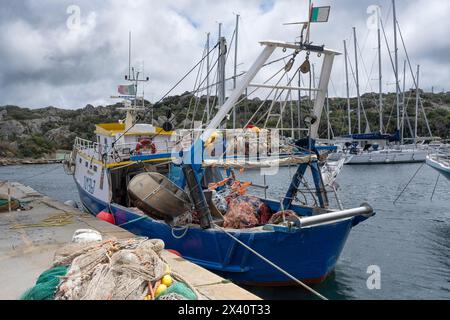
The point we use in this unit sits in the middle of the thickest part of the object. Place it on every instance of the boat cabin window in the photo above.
(86, 164)
(95, 168)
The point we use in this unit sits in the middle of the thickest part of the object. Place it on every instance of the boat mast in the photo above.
(403, 102)
(357, 80)
(299, 102)
(348, 90)
(396, 64)
(221, 66)
(380, 82)
(207, 78)
(129, 55)
(328, 117)
(235, 65)
(417, 104)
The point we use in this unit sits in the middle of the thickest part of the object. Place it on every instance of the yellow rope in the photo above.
(57, 220)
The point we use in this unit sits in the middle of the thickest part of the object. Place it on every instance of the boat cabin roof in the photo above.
(112, 129)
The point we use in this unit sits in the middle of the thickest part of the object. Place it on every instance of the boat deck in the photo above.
(30, 238)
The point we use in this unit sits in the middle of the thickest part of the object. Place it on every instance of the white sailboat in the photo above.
(377, 148)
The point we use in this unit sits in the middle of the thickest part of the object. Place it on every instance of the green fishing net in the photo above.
(46, 284)
(180, 289)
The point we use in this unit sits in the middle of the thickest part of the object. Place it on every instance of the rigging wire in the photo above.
(272, 264)
(414, 78)
(166, 94)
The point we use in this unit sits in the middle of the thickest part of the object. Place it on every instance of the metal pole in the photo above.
(357, 81)
(299, 116)
(321, 92)
(403, 103)
(235, 65)
(417, 104)
(328, 118)
(219, 67)
(396, 64)
(349, 111)
(365, 210)
(222, 61)
(235, 95)
(380, 83)
(207, 78)
(129, 55)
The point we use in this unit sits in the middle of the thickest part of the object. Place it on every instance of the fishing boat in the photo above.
(163, 191)
(441, 162)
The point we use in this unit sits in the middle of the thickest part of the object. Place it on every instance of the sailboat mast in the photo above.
(348, 90)
(417, 104)
(207, 78)
(328, 117)
(357, 80)
(403, 103)
(235, 65)
(396, 64)
(380, 70)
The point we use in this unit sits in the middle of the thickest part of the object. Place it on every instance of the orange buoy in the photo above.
(175, 252)
(106, 216)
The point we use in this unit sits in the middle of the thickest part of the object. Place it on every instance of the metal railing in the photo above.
(120, 152)
(232, 139)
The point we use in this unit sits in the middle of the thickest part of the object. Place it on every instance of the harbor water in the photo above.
(409, 242)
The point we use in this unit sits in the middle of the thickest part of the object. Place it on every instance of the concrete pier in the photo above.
(30, 238)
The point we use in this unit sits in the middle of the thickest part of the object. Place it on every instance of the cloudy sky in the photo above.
(49, 57)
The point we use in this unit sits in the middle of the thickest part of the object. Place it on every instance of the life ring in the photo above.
(146, 144)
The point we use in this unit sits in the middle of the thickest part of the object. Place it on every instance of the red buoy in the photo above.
(175, 252)
(106, 216)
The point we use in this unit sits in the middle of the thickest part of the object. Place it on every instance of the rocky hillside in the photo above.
(36, 133)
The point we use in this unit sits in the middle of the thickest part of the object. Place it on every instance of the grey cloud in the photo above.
(43, 63)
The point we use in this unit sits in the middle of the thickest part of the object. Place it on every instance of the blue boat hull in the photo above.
(309, 254)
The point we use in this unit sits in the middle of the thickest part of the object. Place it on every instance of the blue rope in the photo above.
(132, 221)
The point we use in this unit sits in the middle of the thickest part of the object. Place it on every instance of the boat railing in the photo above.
(120, 151)
(443, 158)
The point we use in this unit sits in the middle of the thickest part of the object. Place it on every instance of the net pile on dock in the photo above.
(5, 204)
(131, 269)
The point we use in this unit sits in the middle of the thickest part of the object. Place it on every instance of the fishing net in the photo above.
(4, 204)
(283, 216)
(178, 291)
(246, 212)
(116, 270)
(46, 285)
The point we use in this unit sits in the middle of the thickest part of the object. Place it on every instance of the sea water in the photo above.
(407, 243)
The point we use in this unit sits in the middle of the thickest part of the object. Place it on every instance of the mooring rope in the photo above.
(409, 182)
(435, 186)
(272, 264)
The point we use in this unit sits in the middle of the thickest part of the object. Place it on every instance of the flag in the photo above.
(320, 14)
(129, 90)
